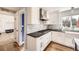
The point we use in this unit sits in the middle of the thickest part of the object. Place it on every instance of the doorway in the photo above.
(21, 39)
(22, 27)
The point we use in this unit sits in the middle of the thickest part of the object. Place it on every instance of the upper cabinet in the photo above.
(32, 15)
(36, 15)
(53, 18)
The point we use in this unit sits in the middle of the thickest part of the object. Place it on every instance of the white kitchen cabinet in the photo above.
(32, 15)
(57, 37)
(69, 40)
(63, 38)
(72, 36)
(53, 18)
(38, 44)
(44, 40)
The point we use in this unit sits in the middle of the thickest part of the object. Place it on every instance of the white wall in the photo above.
(34, 27)
(6, 22)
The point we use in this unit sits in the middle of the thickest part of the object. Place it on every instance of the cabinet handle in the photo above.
(41, 44)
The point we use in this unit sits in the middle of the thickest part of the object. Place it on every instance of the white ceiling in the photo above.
(13, 8)
(52, 9)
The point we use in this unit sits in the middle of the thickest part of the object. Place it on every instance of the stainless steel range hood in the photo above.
(43, 14)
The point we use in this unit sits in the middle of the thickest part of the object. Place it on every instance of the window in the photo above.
(66, 21)
(75, 21)
(71, 22)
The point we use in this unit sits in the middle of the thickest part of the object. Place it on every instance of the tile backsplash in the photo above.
(35, 27)
(54, 26)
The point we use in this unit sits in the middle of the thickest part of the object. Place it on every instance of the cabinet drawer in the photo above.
(44, 40)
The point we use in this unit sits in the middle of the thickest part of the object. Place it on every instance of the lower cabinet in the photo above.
(38, 44)
(58, 37)
(69, 40)
(44, 40)
(63, 38)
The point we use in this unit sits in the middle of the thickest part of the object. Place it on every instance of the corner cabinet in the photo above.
(38, 44)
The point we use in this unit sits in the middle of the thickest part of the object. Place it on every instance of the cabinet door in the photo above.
(57, 37)
(31, 44)
(32, 15)
(63, 38)
(54, 36)
(35, 15)
(45, 40)
(54, 18)
(69, 40)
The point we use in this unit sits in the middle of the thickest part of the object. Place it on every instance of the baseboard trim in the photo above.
(58, 44)
(63, 45)
(47, 46)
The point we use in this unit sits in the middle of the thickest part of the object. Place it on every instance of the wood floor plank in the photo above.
(57, 47)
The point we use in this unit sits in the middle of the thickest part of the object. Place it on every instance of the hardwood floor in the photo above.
(57, 47)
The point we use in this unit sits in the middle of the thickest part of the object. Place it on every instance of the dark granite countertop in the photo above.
(42, 32)
(58, 30)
